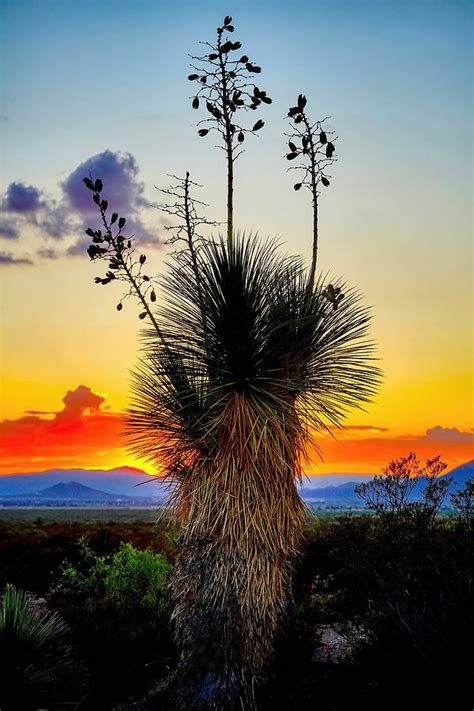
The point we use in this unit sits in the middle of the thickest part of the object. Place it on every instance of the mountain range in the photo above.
(127, 484)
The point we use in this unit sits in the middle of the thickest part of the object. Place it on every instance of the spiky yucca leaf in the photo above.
(37, 662)
(254, 362)
(252, 329)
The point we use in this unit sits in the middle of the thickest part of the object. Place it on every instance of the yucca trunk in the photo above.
(241, 518)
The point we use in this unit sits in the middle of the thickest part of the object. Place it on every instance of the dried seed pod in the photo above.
(195, 102)
(88, 183)
(119, 307)
(325, 182)
(301, 102)
(193, 77)
(203, 132)
(330, 150)
(114, 218)
(121, 223)
(292, 146)
(142, 315)
(142, 258)
(297, 186)
(291, 156)
(152, 296)
(240, 137)
(323, 138)
(98, 185)
(260, 124)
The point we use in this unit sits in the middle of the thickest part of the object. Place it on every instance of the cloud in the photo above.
(26, 206)
(7, 259)
(76, 435)
(119, 173)
(47, 253)
(9, 230)
(448, 434)
(122, 188)
(78, 401)
(351, 429)
(22, 198)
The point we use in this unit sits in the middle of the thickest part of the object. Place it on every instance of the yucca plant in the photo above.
(248, 355)
(37, 663)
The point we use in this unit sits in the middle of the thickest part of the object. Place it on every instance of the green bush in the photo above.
(118, 608)
(128, 584)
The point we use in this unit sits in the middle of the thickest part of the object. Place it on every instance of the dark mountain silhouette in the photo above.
(344, 494)
(125, 481)
(333, 489)
(73, 490)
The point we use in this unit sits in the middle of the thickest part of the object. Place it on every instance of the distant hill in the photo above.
(125, 481)
(73, 490)
(331, 489)
(344, 494)
(461, 474)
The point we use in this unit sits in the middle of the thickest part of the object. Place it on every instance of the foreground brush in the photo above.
(247, 356)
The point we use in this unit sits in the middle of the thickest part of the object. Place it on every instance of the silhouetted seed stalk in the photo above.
(226, 88)
(254, 361)
(186, 232)
(119, 251)
(310, 143)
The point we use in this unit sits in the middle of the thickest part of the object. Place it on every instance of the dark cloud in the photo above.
(122, 188)
(25, 205)
(119, 173)
(362, 428)
(47, 253)
(9, 230)
(448, 434)
(56, 221)
(22, 198)
(7, 259)
(39, 412)
(77, 401)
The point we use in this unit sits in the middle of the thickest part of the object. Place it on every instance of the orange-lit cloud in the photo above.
(85, 433)
(82, 434)
(356, 450)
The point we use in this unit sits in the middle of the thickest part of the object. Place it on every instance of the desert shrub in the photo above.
(127, 585)
(38, 665)
(118, 608)
(463, 502)
(49, 542)
(404, 585)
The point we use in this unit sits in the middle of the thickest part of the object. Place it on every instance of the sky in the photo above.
(102, 86)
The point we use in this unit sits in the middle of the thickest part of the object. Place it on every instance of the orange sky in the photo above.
(85, 433)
